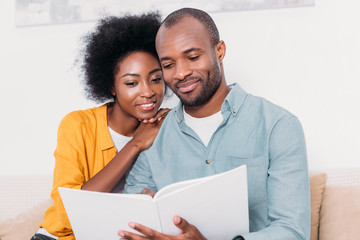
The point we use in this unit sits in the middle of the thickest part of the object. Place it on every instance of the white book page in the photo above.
(180, 186)
(217, 206)
(95, 215)
(172, 188)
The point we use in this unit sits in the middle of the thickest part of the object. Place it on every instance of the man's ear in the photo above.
(220, 50)
(113, 91)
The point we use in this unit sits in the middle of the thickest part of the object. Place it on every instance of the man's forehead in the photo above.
(187, 33)
(185, 24)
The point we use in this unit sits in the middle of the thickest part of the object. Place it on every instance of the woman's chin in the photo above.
(146, 116)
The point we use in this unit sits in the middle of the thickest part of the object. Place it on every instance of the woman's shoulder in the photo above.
(87, 116)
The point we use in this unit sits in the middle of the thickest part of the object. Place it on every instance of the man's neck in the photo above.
(212, 106)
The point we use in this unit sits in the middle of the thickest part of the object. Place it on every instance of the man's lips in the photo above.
(147, 106)
(187, 86)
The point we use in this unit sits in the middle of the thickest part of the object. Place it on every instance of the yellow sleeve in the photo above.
(70, 161)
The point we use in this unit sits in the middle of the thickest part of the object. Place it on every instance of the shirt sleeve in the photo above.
(288, 184)
(140, 176)
(70, 157)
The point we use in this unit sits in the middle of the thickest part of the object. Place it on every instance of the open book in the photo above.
(217, 205)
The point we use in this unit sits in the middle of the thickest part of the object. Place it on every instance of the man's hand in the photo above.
(188, 232)
(148, 191)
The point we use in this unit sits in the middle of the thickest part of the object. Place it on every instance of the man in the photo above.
(217, 127)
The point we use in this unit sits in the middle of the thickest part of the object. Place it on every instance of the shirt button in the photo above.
(234, 112)
(207, 161)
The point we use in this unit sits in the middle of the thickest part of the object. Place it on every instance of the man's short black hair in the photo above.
(174, 17)
(113, 39)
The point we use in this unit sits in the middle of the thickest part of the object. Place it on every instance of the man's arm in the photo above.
(288, 184)
(140, 176)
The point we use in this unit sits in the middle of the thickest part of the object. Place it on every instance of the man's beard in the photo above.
(211, 85)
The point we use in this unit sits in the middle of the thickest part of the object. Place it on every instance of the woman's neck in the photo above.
(119, 121)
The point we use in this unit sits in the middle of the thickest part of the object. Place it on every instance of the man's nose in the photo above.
(182, 70)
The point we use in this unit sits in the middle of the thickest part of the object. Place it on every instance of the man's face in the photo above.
(190, 63)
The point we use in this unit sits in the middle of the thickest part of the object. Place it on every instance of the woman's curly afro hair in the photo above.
(115, 38)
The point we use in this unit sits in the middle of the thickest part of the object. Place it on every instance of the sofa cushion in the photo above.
(317, 186)
(21, 193)
(25, 224)
(340, 213)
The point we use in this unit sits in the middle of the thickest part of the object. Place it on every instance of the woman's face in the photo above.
(138, 85)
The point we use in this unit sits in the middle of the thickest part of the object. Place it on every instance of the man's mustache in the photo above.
(186, 79)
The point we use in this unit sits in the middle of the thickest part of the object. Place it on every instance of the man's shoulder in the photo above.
(252, 105)
(265, 107)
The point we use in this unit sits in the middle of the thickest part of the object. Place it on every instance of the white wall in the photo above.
(304, 59)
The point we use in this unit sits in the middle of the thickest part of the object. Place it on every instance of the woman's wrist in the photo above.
(137, 145)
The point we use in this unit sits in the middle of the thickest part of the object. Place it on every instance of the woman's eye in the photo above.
(130, 84)
(159, 79)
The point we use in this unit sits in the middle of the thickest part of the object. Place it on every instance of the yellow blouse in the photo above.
(84, 147)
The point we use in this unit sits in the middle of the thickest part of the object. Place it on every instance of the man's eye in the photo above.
(167, 66)
(193, 58)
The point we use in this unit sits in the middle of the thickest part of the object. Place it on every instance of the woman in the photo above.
(97, 146)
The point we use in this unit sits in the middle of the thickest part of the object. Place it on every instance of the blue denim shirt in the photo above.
(255, 132)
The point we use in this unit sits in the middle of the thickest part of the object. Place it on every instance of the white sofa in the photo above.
(335, 198)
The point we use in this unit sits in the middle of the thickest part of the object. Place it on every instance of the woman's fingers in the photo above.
(159, 115)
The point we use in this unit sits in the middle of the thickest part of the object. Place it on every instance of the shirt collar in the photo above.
(232, 102)
(179, 112)
(102, 128)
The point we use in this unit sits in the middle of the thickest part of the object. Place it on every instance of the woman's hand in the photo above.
(160, 115)
(188, 232)
(146, 132)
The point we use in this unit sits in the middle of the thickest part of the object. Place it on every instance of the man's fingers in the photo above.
(182, 224)
(148, 232)
(129, 235)
(189, 230)
(148, 191)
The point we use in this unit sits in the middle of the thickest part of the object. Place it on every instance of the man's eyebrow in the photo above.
(164, 59)
(184, 52)
(191, 50)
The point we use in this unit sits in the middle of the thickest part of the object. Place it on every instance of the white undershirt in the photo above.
(204, 127)
(119, 141)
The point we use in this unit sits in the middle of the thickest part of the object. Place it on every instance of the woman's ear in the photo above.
(220, 50)
(113, 91)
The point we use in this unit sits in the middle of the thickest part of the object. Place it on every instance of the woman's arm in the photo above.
(106, 179)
